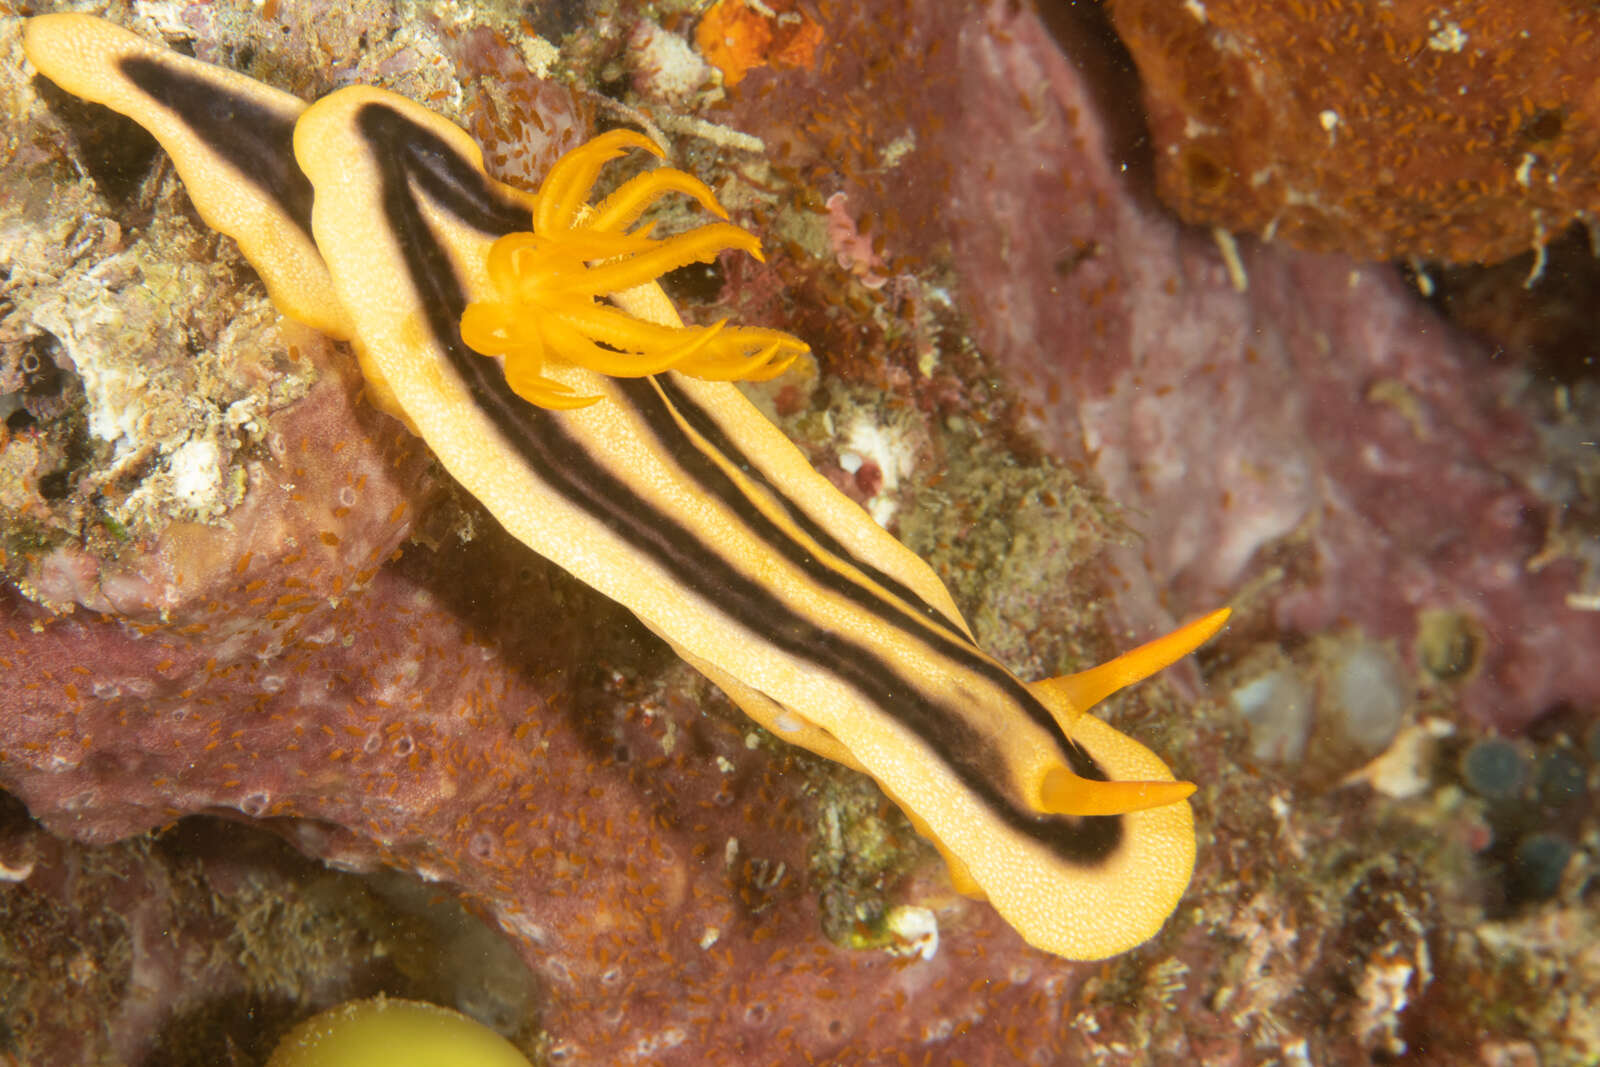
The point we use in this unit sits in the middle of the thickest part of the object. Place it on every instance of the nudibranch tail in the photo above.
(229, 139)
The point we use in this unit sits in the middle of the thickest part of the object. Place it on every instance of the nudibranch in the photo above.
(523, 337)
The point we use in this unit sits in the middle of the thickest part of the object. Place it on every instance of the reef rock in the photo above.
(1385, 131)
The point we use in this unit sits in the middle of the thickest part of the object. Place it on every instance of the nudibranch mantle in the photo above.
(372, 218)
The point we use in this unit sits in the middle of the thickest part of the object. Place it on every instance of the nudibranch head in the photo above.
(552, 284)
(1060, 790)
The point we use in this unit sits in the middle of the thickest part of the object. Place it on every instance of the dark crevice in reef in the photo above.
(114, 150)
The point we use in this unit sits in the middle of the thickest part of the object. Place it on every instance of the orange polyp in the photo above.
(572, 176)
(552, 286)
(628, 202)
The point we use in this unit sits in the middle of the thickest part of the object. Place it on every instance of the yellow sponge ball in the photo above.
(394, 1033)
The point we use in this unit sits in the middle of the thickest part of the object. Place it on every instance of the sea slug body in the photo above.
(522, 337)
